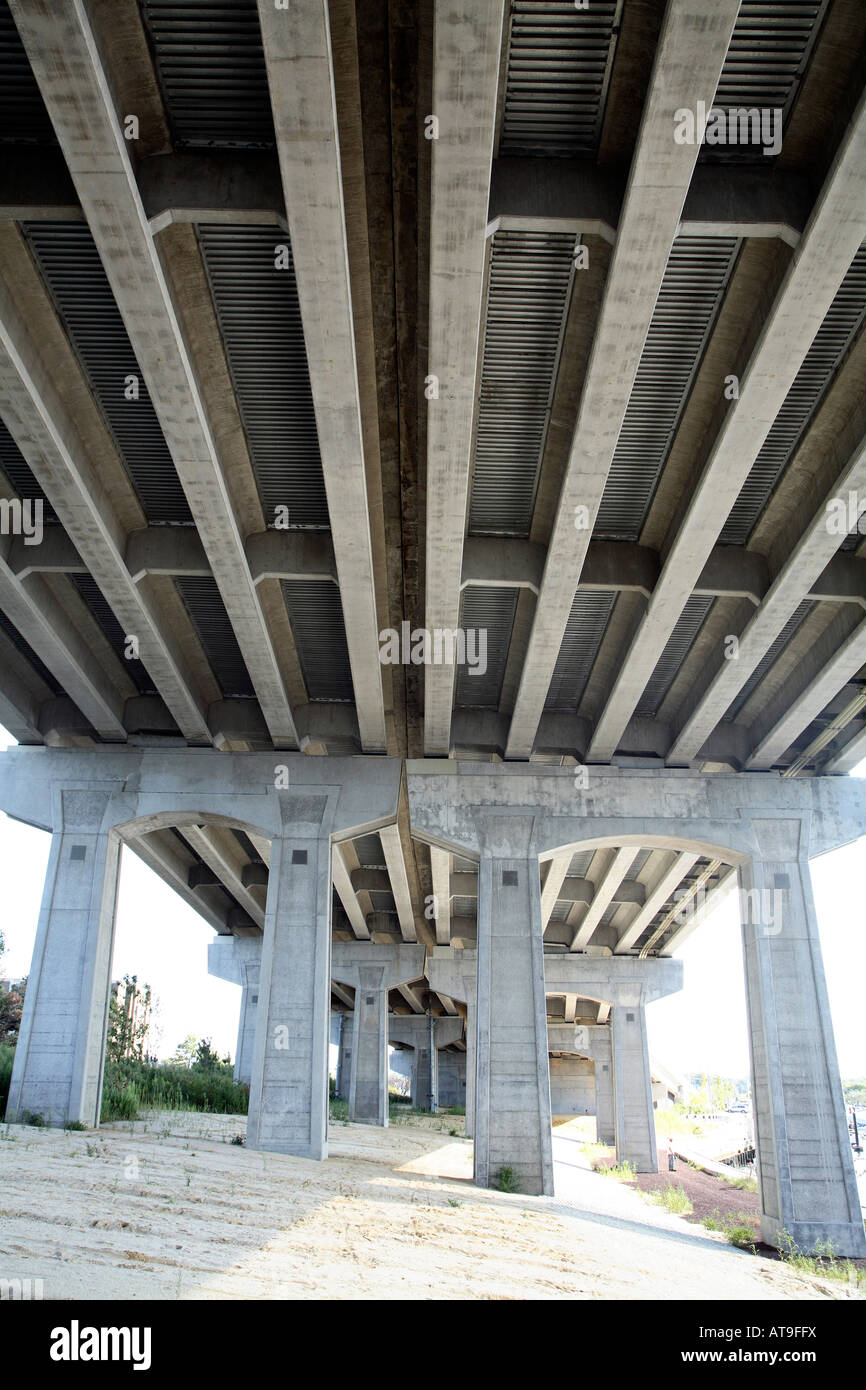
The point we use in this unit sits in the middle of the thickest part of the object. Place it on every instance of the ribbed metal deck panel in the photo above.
(694, 284)
(316, 615)
(587, 621)
(207, 613)
(768, 54)
(23, 118)
(369, 851)
(560, 911)
(842, 323)
(69, 262)
(462, 906)
(114, 633)
(769, 659)
(678, 646)
(580, 862)
(260, 321)
(527, 300)
(211, 70)
(487, 610)
(559, 61)
(27, 651)
(20, 475)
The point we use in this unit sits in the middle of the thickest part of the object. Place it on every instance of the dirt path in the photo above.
(171, 1209)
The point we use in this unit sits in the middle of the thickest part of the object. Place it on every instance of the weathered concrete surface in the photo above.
(425, 1035)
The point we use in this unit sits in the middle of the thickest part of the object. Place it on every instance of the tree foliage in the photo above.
(130, 1014)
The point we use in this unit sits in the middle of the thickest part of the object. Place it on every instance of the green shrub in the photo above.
(507, 1180)
(7, 1057)
(623, 1172)
(132, 1085)
(672, 1199)
(737, 1228)
(33, 1118)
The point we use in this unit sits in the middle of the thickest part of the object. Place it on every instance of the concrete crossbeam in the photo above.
(297, 48)
(221, 852)
(465, 41)
(689, 58)
(836, 228)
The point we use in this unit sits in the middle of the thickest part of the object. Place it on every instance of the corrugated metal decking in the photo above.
(23, 118)
(66, 255)
(207, 613)
(211, 70)
(586, 626)
(559, 61)
(678, 646)
(485, 609)
(527, 300)
(260, 321)
(316, 616)
(694, 284)
(842, 323)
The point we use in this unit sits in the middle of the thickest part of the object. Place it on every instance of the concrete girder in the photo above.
(67, 61)
(161, 852)
(220, 851)
(72, 461)
(689, 58)
(810, 569)
(346, 894)
(35, 611)
(297, 47)
(392, 849)
(467, 40)
(825, 670)
(557, 869)
(440, 869)
(22, 692)
(573, 195)
(727, 882)
(670, 877)
(411, 998)
(836, 228)
(604, 895)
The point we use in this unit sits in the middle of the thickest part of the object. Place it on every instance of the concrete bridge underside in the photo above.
(509, 820)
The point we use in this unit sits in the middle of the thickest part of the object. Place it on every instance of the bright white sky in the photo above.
(703, 1028)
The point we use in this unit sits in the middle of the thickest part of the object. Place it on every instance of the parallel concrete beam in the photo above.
(832, 237)
(440, 868)
(604, 895)
(799, 577)
(818, 679)
(669, 879)
(297, 47)
(346, 894)
(68, 61)
(466, 41)
(689, 58)
(554, 878)
(72, 459)
(220, 851)
(392, 848)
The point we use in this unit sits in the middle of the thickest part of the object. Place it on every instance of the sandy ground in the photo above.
(170, 1208)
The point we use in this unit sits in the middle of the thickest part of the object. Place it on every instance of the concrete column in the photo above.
(452, 1078)
(456, 974)
(512, 1096)
(425, 1072)
(238, 960)
(605, 1117)
(414, 1031)
(344, 1065)
(368, 1091)
(58, 1065)
(245, 1049)
(373, 968)
(634, 1119)
(289, 1089)
(805, 1166)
